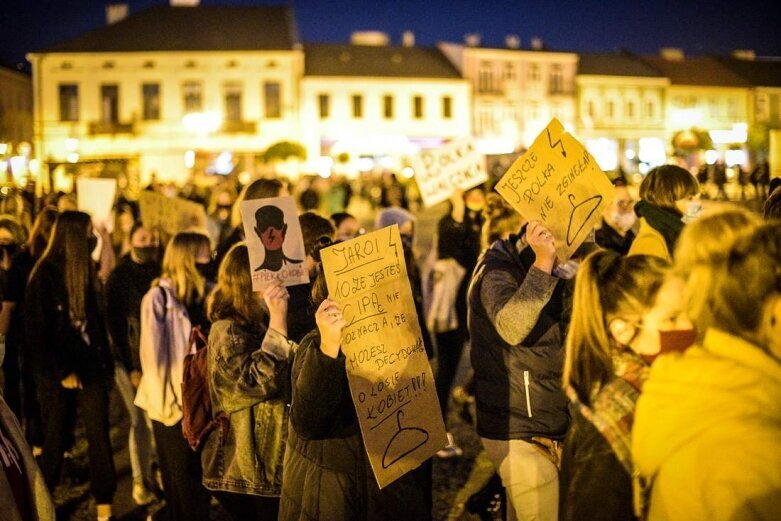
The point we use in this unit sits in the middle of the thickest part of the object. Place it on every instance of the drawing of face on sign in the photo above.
(275, 242)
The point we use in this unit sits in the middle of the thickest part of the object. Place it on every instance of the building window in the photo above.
(193, 100)
(534, 72)
(272, 99)
(357, 106)
(324, 102)
(732, 108)
(610, 109)
(509, 72)
(417, 107)
(630, 110)
(485, 78)
(534, 110)
(650, 109)
(232, 102)
(387, 106)
(591, 109)
(447, 107)
(150, 92)
(69, 102)
(109, 103)
(556, 79)
(762, 108)
(713, 107)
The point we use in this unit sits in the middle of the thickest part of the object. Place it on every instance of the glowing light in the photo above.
(223, 165)
(491, 146)
(189, 159)
(629, 154)
(365, 164)
(686, 118)
(605, 151)
(391, 144)
(711, 156)
(735, 157)
(651, 151)
(71, 144)
(738, 134)
(35, 166)
(323, 166)
(3, 166)
(407, 172)
(202, 123)
(386, 162)
(3, 148)
(245, 178)
(73, 157)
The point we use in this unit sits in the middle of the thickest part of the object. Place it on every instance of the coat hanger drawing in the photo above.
(405, 441)
(580, 215)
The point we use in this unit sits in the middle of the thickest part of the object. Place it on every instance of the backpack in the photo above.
(198, 421)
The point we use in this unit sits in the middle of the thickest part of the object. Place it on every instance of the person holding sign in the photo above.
(517, 323)
(327, 472)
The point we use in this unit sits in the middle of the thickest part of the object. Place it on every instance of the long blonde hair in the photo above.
(702, 247)
(608, 286)
(233, 298)
(179, 266)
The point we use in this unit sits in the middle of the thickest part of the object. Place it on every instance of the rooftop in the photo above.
(615, 64)
(701, 71)
(760, 72)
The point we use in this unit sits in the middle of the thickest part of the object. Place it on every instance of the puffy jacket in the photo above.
(327, 473)
(649, 242)
(249, 379)
(517, 380)
(707, 431)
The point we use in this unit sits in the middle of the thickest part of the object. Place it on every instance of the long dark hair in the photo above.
(68, 248)
(41, 231)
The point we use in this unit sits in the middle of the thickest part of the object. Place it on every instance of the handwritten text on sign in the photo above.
(440, 172)
(391, 382)
(558, 183)
(170, 215)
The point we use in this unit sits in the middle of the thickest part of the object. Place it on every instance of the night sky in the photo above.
(699, 27)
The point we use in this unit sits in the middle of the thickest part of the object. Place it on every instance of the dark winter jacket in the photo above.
(607, 237)
(57, 347)
(125, 288)
(516, 317)
(249, 379)
(460, 241)
(327, 473)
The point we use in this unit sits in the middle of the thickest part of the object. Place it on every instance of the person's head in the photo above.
(500, 220)
(186, 257)
(619, 214)
(221, 202)
(314, 227)
(124, 219)
(258, 189)
(746, 296)
(41, 231)
(67, 203)
(406, 222)
(71, 242)
(474, 199)
(669, 187)
(775, 183)
(704, 244)
(772, 208)
(233, 298)
(347, 226)
(145, 246)
(12, 236)
(270, 227)
(619, 303)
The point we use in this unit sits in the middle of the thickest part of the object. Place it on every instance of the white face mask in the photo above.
(567, 270)
(693, 210)
(624, 221)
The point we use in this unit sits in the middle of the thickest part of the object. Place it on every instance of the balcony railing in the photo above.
(111, 127)
(238, 127)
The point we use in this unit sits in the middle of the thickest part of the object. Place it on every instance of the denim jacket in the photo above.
(249, 377)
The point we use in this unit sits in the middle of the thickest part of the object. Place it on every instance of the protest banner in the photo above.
(170, 215)
(439, 172)
(558, 183)
(96, 197)
(275, 241)
(391, 382)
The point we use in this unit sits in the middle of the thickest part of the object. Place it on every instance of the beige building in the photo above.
(376, 102)
(621, 111)
(16, 111)
(516, 91)
(169, 89)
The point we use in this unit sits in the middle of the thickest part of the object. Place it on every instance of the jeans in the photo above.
(140, 442)
(530, 480)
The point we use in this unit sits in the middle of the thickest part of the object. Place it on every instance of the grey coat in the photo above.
(249, 378)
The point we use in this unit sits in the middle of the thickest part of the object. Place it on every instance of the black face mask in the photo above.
(203, 269)
(92, 243)
(9, 249)
(147, 254)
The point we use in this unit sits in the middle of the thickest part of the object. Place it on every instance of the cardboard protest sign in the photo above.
(440, 172)
(96, 197)
(391, 382)
(558, 183)
(170, 215)
(275, 242)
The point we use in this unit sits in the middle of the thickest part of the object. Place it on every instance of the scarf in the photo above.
(662, 220)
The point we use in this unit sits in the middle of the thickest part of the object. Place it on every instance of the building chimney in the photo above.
(673, 54)
(185, 3)
(373, 38)
(115, 13)
(408, 39)
(512, 41)
(744, 54)
(537, 43)
(472, 40)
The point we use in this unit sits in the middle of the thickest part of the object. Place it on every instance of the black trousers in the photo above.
(450, 345)
(57, 409)
(33, 424)
(12, 379)
(185, 496)
(242, 507)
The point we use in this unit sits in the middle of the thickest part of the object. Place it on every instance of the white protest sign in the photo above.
(275, 241)
(558, 183)
(439, 172)
(391, 382)
(96, 197)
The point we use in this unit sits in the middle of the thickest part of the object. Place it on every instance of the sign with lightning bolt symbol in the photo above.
(557, 143)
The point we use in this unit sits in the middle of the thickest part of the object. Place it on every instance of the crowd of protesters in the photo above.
(638, 379)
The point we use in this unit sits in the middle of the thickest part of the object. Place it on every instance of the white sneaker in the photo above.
(451, 450)
(142, 496)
